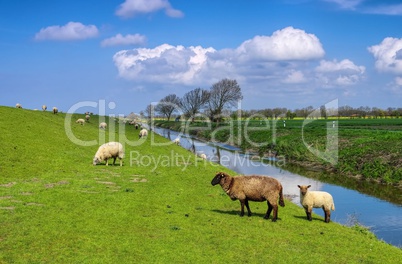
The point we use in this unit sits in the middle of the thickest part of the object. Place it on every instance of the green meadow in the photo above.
(159, 207)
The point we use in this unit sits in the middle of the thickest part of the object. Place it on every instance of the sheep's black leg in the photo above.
(268, 211)
(275, 216)
(327, 215)
(248, 208)
(309, 215)
(114, 160)
(242, 207)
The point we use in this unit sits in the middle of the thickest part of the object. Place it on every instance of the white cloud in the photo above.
(70, 31)
(285, 44)
(131, 8)
(385, 9)
(340, 73)
(162, 64)
(346, 4)
(388, 55)
(295, 76)
(128, 39)
(398, 81)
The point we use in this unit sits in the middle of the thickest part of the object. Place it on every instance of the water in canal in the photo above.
(384, 218)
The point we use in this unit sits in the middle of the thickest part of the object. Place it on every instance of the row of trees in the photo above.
(217, 103)
(214, 103)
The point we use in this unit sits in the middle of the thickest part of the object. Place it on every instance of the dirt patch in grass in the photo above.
(52, 185)
(8, 185)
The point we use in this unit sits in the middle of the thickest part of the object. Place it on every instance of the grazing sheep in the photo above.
(136, 126)
(203, 156)
(55, 110)
(44, 107)
(109, 150)
(177, 141)
(102, 125)
(252, 188)
(143, 133)
(316, 199)
(80, 121)
(87, 117)
(18, 105)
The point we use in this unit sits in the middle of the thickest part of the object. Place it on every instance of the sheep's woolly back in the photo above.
(103, 125)
(316, 199)
(110, 150)
(80, 121)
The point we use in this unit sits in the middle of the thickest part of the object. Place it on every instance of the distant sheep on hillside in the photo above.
(80, 121)
(18, 105)
(107, 151)
(143, 133)
(55, 110)
(102, 125)
(87, 117)
(44, 107)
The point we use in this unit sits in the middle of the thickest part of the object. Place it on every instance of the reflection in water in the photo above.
(382, 217)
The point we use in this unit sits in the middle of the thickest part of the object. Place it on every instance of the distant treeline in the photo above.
(322, 112)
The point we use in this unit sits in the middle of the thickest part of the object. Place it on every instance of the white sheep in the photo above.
(44, 107)
(102, 125)
(18, 105)
(177, 141)
(55, 110)
(203, 156)
(109, 150)
(143, 133)
(316, 199)
(87, 116)
(80, 121)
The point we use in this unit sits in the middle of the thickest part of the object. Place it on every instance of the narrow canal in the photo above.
(384, 218)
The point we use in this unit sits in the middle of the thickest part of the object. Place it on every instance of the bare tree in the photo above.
(193, 101)
(223, 95)
(168, 105)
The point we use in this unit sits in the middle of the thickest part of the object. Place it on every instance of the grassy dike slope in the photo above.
(56, 207)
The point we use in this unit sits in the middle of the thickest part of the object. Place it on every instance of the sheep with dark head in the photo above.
(252, 188)
(316, 199)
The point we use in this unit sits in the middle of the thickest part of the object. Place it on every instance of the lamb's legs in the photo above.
(114, 160)
(308, 213)
(248, 208)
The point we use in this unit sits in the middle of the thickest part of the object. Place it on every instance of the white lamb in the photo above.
(203, 156)
(80, 121)
(55, 110)
(103, 125)
(177, 141)
(109, 150)
(143, 133)
(316, 199)
(18, 105)
(87, 117)
(44, 107)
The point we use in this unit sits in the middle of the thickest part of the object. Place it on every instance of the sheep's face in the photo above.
(218, 177)
(303, 188)
(96, 161)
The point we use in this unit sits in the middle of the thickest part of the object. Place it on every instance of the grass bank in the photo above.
(365, 148)
(160, 207)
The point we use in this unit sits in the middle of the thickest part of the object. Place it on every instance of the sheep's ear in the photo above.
(309, 186)
(298, 186)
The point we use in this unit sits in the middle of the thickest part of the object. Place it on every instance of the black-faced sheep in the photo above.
(316, 199)
(143, 133)
(80, 121)
(55, 110)
(102, 125)
(18, 105)
(44, 107)
(252, 188)
(107, 151)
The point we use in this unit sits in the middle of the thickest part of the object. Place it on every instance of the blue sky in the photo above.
(130, 53)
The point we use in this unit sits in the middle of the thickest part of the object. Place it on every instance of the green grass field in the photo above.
(160, 207)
